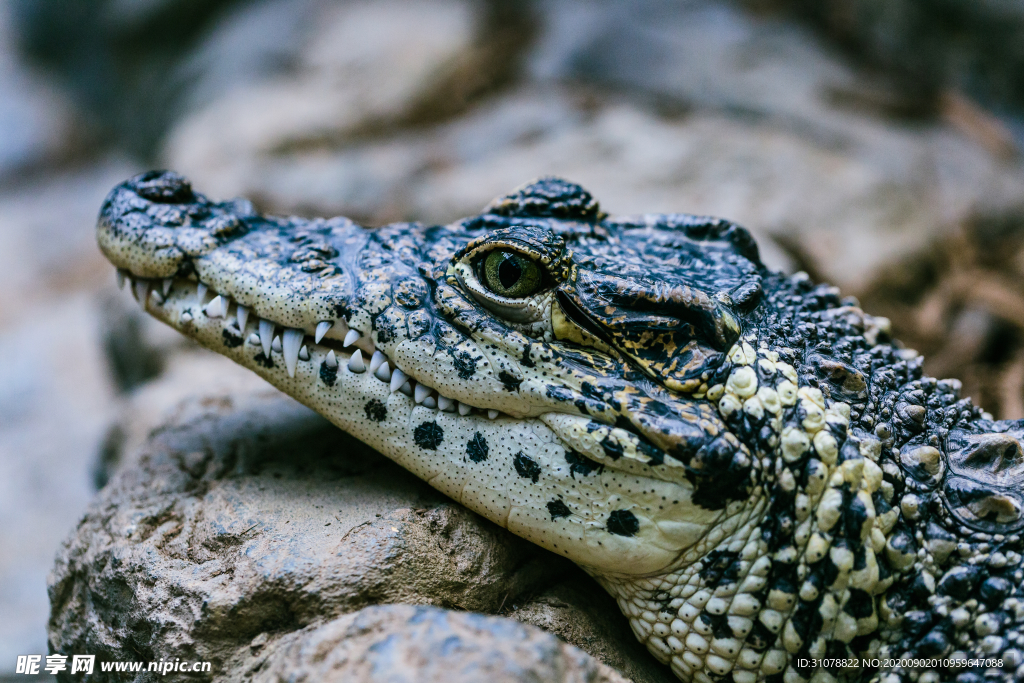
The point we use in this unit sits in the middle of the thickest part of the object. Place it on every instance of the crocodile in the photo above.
(765, 481)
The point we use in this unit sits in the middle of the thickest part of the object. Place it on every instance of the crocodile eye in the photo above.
(511, 275)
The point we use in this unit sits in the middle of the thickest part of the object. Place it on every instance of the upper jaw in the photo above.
(155, 227)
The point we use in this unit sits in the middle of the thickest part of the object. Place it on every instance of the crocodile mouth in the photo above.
(188, 305)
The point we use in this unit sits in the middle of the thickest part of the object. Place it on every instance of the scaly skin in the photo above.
(742, 459)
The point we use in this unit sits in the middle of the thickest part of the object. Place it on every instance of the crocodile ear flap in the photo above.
(984, 489)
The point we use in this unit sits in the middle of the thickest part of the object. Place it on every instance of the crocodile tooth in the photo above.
(422, 391)
(303, 353)
(331, 361)
(200, 293)
(121, 277)
(242, 313)
(383, 373)
(464, 409)
(429, 402)
(141, 290)
(321, 330)
(351, 338)
(254, 339)
(397, 380)
(276, 344)
(157, 296)
(166, 285)
(408, 388)
(291, 344)
(355, 362)
(217, 307)
(376, 359)
(186, 317)
(444, 403)
(492, 414)
(266, 335)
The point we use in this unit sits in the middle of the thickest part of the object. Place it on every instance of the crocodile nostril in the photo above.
(163, 187)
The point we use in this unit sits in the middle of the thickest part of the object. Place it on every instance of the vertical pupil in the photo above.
(509, 271)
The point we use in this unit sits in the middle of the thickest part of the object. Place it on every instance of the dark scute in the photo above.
(476, 449)
(375, 410)
(526, 467)
(548, 197)
(760, 637)
(558, 509)
(162, 187)
(933, 645)
(719, 566)
(995, 589)
(959, 582)
(623, 523)
(428, 436)
(917, 622)
(860, 605)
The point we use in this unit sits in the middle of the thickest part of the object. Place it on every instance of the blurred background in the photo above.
(874, 144)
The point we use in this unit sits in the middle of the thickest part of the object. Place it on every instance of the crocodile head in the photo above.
(742, 459)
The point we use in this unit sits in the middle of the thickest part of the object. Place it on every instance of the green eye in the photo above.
(512, 275)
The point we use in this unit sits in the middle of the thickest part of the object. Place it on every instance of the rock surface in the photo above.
(406, 643)
(246, 522)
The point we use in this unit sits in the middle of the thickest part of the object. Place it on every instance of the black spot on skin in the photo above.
(719, 566)
(526, 467)
(558, 393)
(328, 374)
(581, 463)
(231, 340)
(476, 449)
(558, 509)
(623, 523)
(465, 364)
(760, 637)
(342, 311)
(612, 448)
(509, 381)
(428, 436)
(385, 330)
(860, 605)
(375, 410)
(719, 624)
(261, 359)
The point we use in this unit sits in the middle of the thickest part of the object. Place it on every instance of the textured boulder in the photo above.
(407, 643)
(248, 532)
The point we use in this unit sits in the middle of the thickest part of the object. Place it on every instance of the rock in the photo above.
(364, 69)
(38, 123)
(246, 517)
(403, 642)
(55, 404)
(719, 112)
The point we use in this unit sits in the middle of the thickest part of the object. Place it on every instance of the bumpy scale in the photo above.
(744, 460)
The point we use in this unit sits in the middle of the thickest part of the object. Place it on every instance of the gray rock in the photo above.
(407, 643)
(247, 519)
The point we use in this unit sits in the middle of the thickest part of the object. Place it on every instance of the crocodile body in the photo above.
(744, 460)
